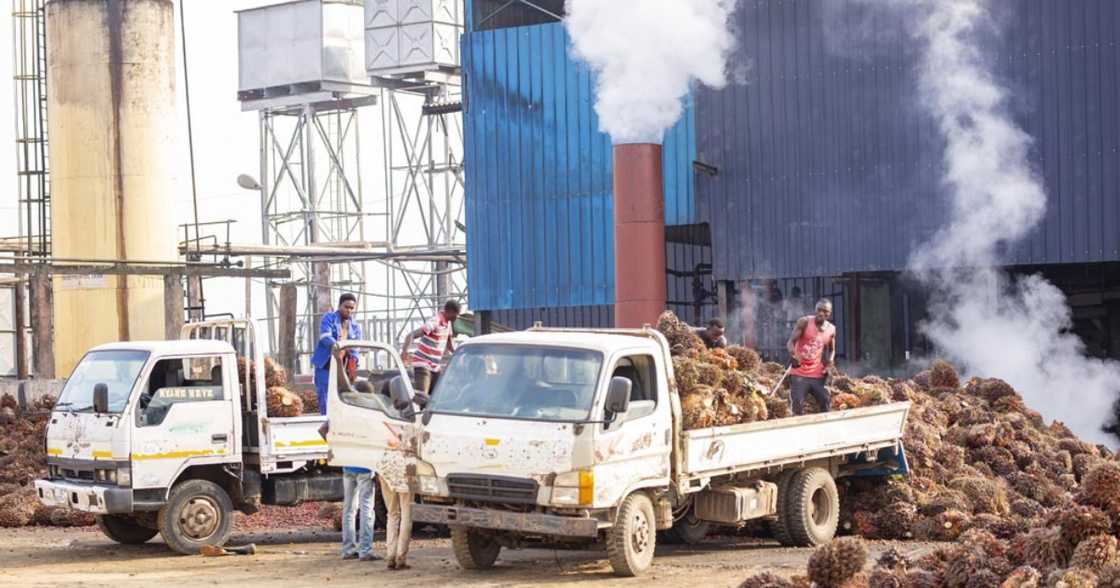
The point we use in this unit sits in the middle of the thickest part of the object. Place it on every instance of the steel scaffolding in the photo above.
(29, 69)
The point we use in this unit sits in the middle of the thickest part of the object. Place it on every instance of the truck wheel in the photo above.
(198, 512)
(474, 551)
(814, 508)
(124, 529)
(689, 530)
(633, 538)
(778, 526)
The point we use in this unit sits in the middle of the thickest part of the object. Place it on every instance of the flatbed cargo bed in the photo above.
(720, 451)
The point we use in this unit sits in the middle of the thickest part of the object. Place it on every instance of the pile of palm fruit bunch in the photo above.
(1074, 548)
(1018, 502)
(281, 401)
(22, 460)
(723, 387)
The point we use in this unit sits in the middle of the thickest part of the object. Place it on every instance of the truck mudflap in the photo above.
(531, 523)
(84, 497)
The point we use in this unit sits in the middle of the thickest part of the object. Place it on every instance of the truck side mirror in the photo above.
(400, 393)
(618, 396)
(101, 398)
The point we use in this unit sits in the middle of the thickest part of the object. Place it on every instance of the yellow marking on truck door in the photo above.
(54, 451)
(304, 443)
(176, 454)
(491, 442)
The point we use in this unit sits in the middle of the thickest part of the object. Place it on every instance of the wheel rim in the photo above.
(822, 509)
(639, 532)
(200, 518)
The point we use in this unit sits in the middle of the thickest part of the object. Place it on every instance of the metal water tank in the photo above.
(299, 48)
(113, 129)
(412, 36)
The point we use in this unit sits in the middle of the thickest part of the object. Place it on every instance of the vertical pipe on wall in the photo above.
(639, 235)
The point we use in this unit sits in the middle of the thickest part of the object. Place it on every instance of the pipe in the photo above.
(639, 235)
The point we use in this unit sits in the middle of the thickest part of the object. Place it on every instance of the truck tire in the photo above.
(633, 538)
(813, 508)
(197, 513)
(474, 551)
(778, 526)
(124, 529)
(689, 530)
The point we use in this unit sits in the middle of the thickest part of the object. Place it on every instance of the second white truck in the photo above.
(574, 437)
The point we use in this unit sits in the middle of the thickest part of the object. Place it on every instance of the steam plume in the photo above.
(993, 325)
(646, 54)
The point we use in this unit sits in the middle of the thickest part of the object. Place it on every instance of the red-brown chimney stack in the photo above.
(639, 235)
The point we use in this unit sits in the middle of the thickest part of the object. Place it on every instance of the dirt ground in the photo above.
(83, 557)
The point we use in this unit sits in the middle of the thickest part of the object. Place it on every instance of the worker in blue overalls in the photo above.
(336, 327)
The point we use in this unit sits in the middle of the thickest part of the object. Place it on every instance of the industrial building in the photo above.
(816, 177)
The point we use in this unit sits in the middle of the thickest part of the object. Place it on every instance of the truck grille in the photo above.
(492, 489)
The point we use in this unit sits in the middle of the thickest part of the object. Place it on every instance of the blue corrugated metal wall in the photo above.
(827, 164)
(538, 174)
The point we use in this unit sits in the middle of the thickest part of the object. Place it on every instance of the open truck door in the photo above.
(370, 408)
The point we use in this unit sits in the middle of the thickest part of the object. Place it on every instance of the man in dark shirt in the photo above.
(712, 335)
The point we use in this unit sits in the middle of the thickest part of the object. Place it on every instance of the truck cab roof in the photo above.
(173, 347)
(603, 340)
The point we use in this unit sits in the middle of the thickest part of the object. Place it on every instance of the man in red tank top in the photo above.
(812, 349)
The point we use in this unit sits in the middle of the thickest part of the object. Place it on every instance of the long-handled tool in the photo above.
(777, 386)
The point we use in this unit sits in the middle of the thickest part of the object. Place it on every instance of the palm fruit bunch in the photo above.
(844, 401)
(766, 580)
(837, 562)
(274, 374)
(1094, 553)
(943, 375)
(283, 403)
(1072, 578)
(682, 340)
(310, 400)
(698, 407)
(747, 359)
(246, 372)
(17, 509)
(719, 358)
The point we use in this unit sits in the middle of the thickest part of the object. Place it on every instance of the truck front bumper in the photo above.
(531, 523)
(85, 497)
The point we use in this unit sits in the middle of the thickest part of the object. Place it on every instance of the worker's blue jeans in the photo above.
(357, 491)
(322, 376)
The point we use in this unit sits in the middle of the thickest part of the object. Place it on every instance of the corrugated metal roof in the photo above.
(538, 174)
(828, 165)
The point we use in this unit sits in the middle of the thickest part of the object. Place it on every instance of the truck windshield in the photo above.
(516, 381)
(116, 369)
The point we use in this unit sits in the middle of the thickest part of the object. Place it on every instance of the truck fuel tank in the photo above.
(733, 504)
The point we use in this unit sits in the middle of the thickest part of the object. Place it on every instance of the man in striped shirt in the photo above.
(431, 340)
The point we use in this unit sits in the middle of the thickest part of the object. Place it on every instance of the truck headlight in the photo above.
(124, 476)
(106, 476)
(426, 478)
(574, 488)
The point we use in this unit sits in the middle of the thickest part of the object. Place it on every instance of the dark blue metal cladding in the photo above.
(827, 163)
(538, 174)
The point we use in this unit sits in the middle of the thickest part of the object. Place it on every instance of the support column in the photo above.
(42, 325)
(20, 320)
(196, 305)
(286, 335)
(172, 306)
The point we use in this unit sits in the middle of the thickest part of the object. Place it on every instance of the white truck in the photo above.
(574, 437)
(161, 437)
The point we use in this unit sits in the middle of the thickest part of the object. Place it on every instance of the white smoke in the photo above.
(647, 53)
(992, 325)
